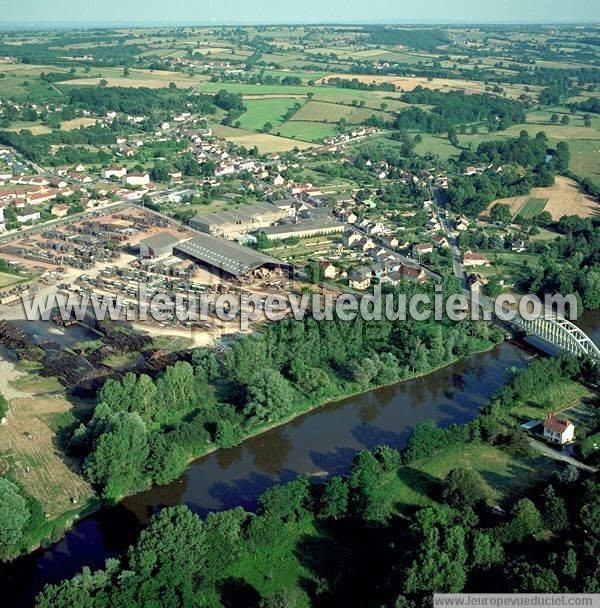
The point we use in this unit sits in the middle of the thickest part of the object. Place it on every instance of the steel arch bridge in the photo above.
(561, 333)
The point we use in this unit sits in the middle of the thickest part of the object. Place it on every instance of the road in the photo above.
(546, 450)
(459, 270)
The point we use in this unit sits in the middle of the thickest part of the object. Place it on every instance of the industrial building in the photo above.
(158, 244)
(304, 228)
(226, 257)
(233, 222)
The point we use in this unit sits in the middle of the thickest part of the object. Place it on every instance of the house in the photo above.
(558, 430)
(278, 180)
(358, 280)
(520, 246)
(475, 259)
(59, 210)
(176, 177)
(422, 248)
(136, 179)
(441, 241)
(328, 269)
(109, 172)
(2, 222)
(462, 223)
(27, 214)
(389, 241)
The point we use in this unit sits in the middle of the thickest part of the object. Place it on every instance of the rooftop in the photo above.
(226, 255)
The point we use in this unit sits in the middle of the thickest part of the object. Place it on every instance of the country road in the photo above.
(546, 450)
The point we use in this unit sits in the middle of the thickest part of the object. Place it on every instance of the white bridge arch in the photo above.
(561, 333)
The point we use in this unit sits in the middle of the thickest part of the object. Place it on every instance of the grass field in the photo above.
(436, 144)
(307, 131)
(7, 279)
(319, 111)
(532, 207)
(261, 111)
(265, 142)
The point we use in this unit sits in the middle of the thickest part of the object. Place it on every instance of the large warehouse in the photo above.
(233, 222)
(158, 244)
(226, 257)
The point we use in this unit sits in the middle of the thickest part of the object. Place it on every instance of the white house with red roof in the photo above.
(558, 430)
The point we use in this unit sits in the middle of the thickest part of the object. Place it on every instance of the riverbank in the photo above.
(49, 531)
(319, 443)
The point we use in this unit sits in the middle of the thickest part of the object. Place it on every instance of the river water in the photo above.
(319, 443)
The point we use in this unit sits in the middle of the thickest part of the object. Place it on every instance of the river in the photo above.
(320, 442)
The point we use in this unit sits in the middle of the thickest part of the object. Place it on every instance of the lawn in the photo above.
(532, 207)
(7, 279)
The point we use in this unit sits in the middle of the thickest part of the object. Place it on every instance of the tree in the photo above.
(13, 514)
(174, 537)
(554, 510)
(565, 120)
(334, 499)
(270, 396)
(284, 598)
(176, 388)
(267, 127)
(117, 461)
(554, 118)
(463, 488)
(501, 213)
(4, 406)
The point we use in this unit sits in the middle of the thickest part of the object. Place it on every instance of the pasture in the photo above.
(261, 111)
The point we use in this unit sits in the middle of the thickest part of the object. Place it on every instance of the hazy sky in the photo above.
(288, 11)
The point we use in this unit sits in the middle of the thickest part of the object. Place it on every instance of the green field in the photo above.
(320, 111)
(306, 131)
(261, 111)
(532, 207)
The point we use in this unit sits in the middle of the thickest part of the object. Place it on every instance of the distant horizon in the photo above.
(64, 14)
(60, 24)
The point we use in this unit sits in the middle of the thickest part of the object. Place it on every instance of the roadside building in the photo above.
(558, 430)
(27, 214)
(136, 179)
(475, 259)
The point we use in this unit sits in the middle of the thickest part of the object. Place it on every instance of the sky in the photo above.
(70, 12)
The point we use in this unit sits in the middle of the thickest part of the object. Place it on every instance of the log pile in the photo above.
(12, 336)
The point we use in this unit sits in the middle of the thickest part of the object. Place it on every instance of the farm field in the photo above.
(565, 197)
(319, 111)
(306, 130)
(7, 279)
(532, 207)
(261, 111)
(265, 142)
(409, 83)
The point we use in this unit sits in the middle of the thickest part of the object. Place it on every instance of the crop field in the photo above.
(265, 142)
(532, 207)
(409, 83)
(565, 197)
(7, 279)
(261, 111)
